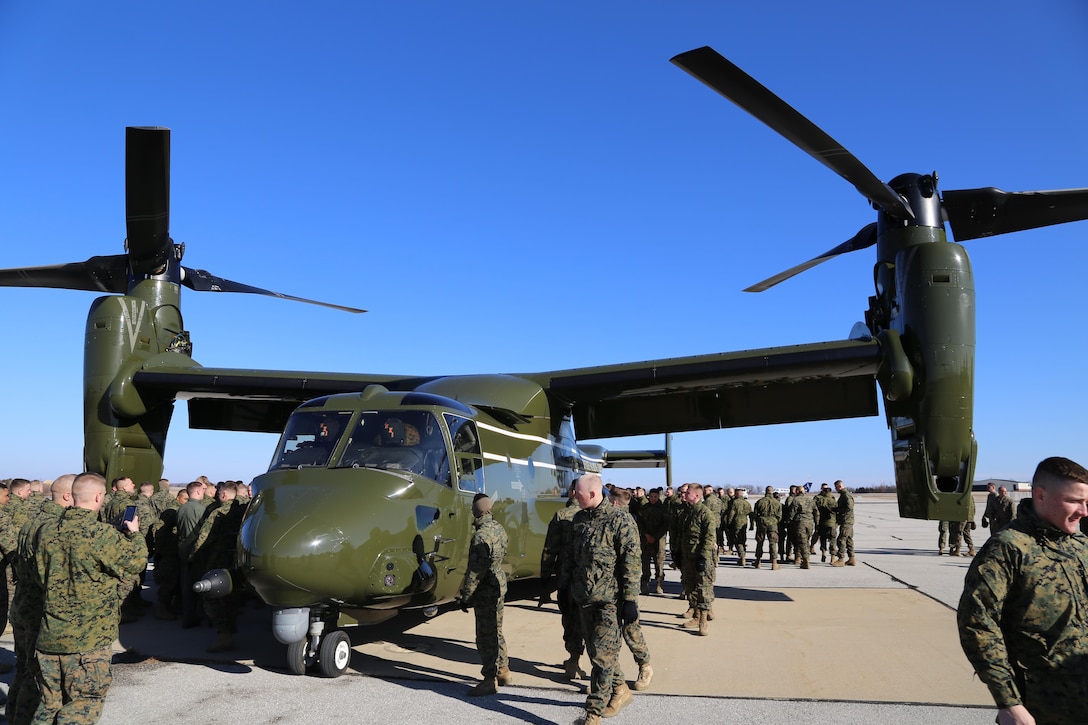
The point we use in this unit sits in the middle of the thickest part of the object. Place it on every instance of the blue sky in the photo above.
(514, 186)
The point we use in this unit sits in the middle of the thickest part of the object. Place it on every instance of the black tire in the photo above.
(334, 655)
(299, 661)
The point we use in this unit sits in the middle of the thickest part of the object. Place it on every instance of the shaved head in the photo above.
(88, 490)
(588, 490)
(61, 490)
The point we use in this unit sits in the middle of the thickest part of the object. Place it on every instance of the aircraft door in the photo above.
(467, 454)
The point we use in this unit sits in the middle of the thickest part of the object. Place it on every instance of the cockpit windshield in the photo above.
(310, 438)
(398, 440)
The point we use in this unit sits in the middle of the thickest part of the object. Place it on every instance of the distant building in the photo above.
(999, 482)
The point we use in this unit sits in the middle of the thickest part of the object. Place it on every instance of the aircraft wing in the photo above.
(251, 400)
(819, 381)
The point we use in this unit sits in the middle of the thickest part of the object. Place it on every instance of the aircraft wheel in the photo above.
(299, 659)
(335, 654)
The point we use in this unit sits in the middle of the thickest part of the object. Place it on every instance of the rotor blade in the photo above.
(97, 274)
(147, 198)
(974, 213)
(202, 281)
(862, 240)
(708, 66)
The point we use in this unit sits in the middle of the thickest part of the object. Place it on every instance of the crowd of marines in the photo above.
(603, 550)
(75, 554)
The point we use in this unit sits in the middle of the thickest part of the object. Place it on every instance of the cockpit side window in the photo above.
(466, 450)
(398, 440)
(309, 438)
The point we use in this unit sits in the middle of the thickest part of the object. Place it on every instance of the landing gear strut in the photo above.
(323, 647)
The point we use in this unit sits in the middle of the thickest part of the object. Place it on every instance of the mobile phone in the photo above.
(129, 515)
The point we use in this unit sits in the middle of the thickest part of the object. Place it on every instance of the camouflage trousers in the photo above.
(1054, 697)
(844, 542)
(802, 532)
(770, 535)
(490, 642)
(23, 696)
(785, 543)
(636, 642)
(602, 632)
(653, 553)
(168, 579)
(223, 611)
(573, 641)
(699, 585)
(942, 535)
(73, 686)
(826, 536)
(960, 531)
(740, 539)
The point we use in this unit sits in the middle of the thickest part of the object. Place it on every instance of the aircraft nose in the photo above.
(295, 560)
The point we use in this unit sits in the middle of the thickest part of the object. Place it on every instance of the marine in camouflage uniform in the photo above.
(652, 527)
(740, 512)
(844, 517)
(26, 610)
(214, 547)
(19, 509)
(556, 542)
(602, 571)
(801, 523)
(675, 509)
(1023, 615)
(825, 525)
(960, 531)
(632, 631)
(698, 556)
(80, 563)
(717, 509)
(484, 589)
(767, 514)
(785, 528)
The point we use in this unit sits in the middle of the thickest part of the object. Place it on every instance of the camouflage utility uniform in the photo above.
(825, 524)
(601, 570)
(801, 523)
(652, 524)
(698, 568)
(768, 514)
(739, 512)
(80, 563)
(26, 615)
(844, 517)
(214, 547)
(484, 587)
(1023, 618)
(556, 542)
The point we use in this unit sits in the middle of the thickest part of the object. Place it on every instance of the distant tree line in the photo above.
(875, 489)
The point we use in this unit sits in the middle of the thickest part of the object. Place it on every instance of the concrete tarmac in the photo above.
(875, 642)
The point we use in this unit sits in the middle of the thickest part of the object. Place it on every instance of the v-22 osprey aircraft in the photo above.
(365, 509)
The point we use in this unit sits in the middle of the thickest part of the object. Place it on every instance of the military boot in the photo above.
(645, 674)
(774, 565)
(692, 623)
(823, 555)
(621, 698)
(659, 590)
(704, 624)
(710, 613)
(590, 719)
(804, 563)
(851, 562)
(486, 686)
(571, 669)
(504, 677)
(838, 562)
(755, 564)
(688, 614)
(742, 558)
(953, 553)
(971, 551)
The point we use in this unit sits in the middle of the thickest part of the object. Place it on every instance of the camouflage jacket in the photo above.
(604, 563)
(788, 510)
(484, 576)
(699, 542)
(739, 512)
(1023, 615)
(844, 511)
(9, 535)
(212, 546)
(826, 507)
(556, 541)
(802, 510)
(29, 595)
(768, 512)
(717, 509)
(80, 562)
(652, 521)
